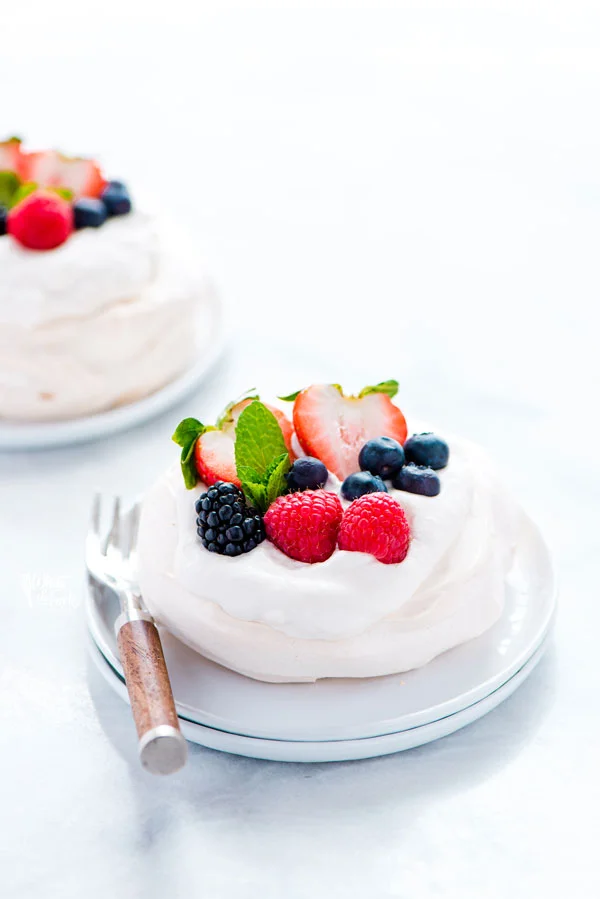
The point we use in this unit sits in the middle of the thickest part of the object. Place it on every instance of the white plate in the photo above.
(343, 709)
(334, 750)
(38, 435)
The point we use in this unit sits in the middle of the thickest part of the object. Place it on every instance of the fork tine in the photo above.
(135, 526)
(113, 538)
(95, 517)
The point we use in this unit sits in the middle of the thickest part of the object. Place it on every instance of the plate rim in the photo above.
(30, 436)
(387, 725)
(352, 749)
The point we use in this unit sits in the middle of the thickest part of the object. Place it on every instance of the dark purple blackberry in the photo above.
(226, 525)
(3, 218)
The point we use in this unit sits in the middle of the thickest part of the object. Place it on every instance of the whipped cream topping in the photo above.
(273, 618)
(106, 318)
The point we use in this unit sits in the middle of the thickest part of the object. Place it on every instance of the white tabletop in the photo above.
(404, 190)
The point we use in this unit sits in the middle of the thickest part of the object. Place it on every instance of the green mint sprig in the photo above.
(13, 190)
(186, 434)
(9, 185)
(261, 456)
(390, 388)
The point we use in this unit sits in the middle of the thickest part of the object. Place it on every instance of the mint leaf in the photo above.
(249, 475)
(262, 491)
(258, 439)
(65, 192)
(185, 436)
(225, 415)
(256, 496)
(23, 191)
(276, 482)
(390, 388)
(290, 397)
(9, 185)
(261, 456)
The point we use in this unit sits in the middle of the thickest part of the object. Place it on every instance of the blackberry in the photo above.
(3, 219)
(226, 525)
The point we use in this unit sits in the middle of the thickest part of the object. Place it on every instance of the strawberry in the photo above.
(375, 523)
(49, 168)
(305, 525)
(232, 413)
(334, 427)
(214, 449)
(214, 454)
(10, 155)
(42, 221)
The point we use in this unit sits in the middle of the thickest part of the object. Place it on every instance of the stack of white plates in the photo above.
(335, 720)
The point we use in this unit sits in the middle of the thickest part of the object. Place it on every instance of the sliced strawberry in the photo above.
(49, 168)
(11, 156)
(214, 448)
(214, 454)
(333, 427)
(232, 415)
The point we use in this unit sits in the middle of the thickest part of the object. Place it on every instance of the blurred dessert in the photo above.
(325, 542)
(98, 299)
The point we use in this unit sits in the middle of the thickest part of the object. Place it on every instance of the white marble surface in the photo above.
(401, 189)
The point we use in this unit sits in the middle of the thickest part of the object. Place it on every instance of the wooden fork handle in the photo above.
(162, 746)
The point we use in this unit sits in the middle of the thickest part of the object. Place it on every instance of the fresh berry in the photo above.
(49, 168)
(42, 221)
(381, 456)
(10, 155)
(362, 482)
(226, 525)
(417, 479)
(214, 454)
(230, 418)
(3, 218)
(116, 198)
(333, 427)
(305, 525)
(89, 212)
(307, 474)
(376, 524)
(427, 449)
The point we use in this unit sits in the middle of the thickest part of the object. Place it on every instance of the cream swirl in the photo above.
(276, 619)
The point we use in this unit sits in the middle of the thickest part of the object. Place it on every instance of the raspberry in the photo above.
(42, 221)
(376, 524)
(305, 525)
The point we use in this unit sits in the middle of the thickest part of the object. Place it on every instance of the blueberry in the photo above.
(427, 449)
(3, 217)
(360, 483)
(116, 198)
(417, 479)
(307, 474)
(381, 456)
(89, 213)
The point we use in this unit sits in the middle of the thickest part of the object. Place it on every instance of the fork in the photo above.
(112, 561)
